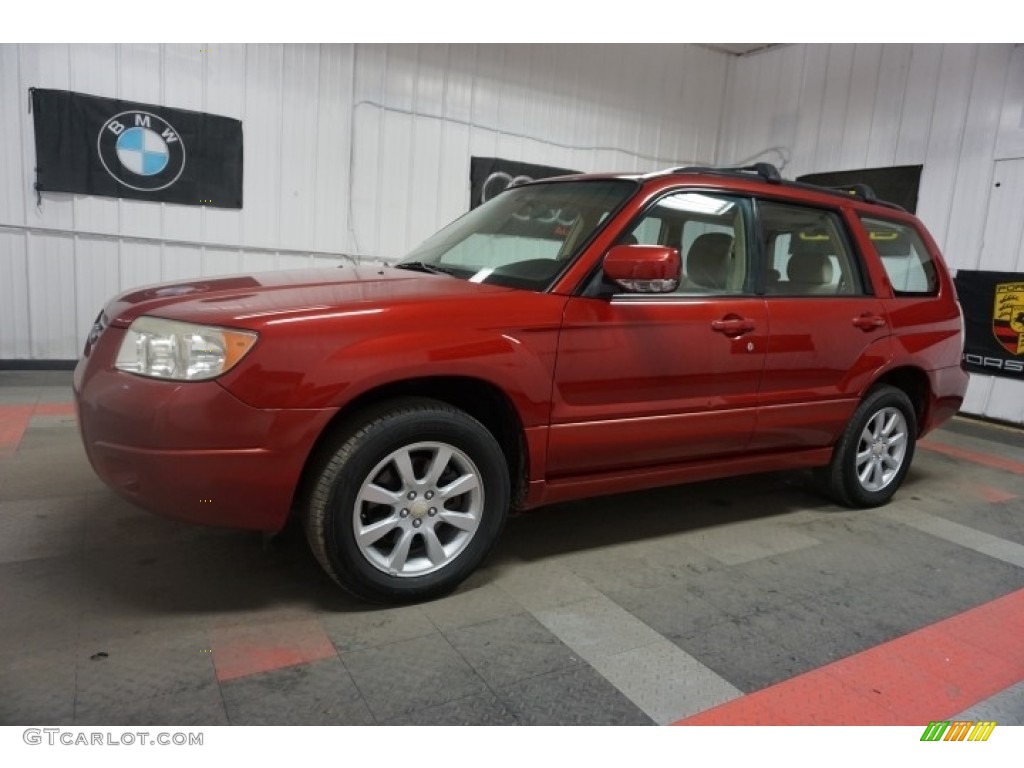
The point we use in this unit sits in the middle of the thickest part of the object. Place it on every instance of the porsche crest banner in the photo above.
(490, 176)
(993, 304)
(97, 146)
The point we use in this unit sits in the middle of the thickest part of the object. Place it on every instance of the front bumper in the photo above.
(191, 451)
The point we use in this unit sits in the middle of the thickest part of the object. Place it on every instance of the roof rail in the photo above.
(766, 171)
(771, 175)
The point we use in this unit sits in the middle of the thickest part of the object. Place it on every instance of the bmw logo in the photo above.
(141, 150)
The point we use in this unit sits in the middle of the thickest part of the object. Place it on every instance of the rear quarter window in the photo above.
(907, 261)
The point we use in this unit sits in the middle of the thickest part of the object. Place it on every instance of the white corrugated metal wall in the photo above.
(348, 150)
(956, 109)
(365, 150)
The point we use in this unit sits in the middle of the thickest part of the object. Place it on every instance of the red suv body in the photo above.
(572, 337)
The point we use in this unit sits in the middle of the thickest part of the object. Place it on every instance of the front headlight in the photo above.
(168, 349)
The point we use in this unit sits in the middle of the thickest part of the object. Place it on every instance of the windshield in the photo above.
(525, 236)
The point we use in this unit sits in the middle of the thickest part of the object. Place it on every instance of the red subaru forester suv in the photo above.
(571, 337)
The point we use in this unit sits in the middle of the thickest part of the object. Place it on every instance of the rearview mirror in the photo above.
(643, 268)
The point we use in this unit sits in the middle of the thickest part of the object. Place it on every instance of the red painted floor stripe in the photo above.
(13, 422)
(997, 462)
(931, 674)
(248, 650)
(992, 494)
(54, 409)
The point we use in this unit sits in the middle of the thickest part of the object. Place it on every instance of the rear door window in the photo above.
(807, 252)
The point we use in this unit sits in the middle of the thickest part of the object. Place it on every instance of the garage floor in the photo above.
(740, 601)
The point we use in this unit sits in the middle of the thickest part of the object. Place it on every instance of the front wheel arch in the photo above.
(398, 471)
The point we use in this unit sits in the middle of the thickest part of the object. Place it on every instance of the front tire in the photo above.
(409, 503)
(873, 455)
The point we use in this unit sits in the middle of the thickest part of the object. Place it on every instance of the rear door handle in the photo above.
(869, 322)
(733, 326)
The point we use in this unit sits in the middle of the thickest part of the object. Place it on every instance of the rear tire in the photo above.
(408, 503)
(873, 455)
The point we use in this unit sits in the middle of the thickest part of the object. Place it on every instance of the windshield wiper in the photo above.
(422, 266)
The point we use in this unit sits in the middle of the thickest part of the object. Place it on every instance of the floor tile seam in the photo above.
(385, 644)
(206, 634)
(522, 609)
(362, 696)
(440, 632)
(467, 662)
(570, 665)
(497, 698)
(507, 702)
(80, 613)
(220, 694)
(921, 521)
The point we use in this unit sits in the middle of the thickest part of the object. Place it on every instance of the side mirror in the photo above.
(643, 268)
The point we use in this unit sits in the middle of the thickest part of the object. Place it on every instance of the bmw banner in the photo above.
(98, 146)
(490, 176)
(993, 305)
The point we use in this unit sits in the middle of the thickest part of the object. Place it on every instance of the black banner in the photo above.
(97, 146)
(898, 184)
(993, 304)
(490, 176)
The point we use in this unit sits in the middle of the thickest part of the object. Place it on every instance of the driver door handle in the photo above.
(868, 321)
(733, 326)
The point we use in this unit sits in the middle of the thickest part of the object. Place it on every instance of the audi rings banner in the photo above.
(97, 146)
(993, 305)
(490, 176)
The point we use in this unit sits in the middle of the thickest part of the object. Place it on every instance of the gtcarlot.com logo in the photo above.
(72, 738)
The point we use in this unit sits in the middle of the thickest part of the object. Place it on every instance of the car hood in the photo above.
(251, 300)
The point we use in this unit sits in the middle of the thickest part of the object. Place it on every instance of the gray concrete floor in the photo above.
(633, 609)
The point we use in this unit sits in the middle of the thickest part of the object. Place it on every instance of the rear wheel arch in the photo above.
(874, 452)
(914, 383)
